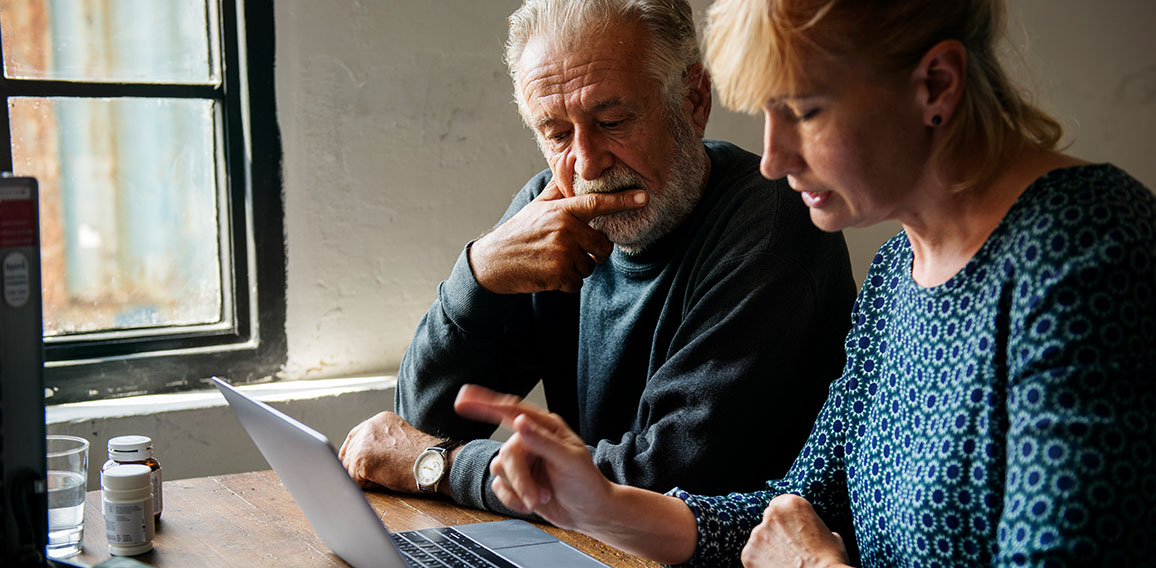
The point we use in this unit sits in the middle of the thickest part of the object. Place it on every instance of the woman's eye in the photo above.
(805, 115)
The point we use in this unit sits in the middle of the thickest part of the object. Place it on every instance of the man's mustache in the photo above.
(614, 180)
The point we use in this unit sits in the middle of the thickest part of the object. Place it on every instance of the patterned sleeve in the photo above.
(1080, 482)
(818, 475)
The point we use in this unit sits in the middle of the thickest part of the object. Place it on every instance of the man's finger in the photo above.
(595, 244)
(586, 207)
(584, 265)
(550, 192)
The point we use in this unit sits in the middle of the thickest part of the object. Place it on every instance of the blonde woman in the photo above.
(997, 406)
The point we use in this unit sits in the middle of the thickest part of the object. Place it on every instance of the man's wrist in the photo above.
(431, 467)
(477, 264)
(444, 486)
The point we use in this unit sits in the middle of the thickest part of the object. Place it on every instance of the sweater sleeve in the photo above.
(469, 335)
(1080, 487)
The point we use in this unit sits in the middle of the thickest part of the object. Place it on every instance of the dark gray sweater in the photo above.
(700, 363)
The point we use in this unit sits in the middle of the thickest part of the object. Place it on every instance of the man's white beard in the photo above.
(634, 230)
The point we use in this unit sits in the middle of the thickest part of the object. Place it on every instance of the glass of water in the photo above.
(67, 485)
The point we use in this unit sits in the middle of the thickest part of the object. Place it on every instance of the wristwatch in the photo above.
(430, 467)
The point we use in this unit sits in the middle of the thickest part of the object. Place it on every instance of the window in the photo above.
(150, 127)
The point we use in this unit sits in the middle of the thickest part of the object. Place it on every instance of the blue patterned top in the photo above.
(1006, 417)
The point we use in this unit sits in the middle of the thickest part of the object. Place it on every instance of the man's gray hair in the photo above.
(669, 24)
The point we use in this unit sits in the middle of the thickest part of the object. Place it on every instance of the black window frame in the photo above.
(254, 348)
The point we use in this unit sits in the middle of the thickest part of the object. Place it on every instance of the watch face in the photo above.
(430, 466)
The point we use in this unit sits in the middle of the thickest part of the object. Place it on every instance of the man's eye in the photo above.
(611, 123)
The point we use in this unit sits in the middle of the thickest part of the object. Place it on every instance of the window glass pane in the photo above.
(129, 210)
(130, 41)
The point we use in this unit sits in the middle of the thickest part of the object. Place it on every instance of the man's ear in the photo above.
(940, 77)
(699, 96)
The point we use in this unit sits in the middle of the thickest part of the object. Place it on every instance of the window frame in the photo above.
(253, 348)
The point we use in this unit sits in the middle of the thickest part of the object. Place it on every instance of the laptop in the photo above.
(339, 513)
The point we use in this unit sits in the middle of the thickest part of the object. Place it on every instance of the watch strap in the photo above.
(447, 445)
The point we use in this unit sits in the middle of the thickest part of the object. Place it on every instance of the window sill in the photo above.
(159, 403)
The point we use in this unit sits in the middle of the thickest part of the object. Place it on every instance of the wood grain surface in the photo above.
(249, 519)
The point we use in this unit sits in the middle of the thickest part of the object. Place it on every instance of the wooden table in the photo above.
(249, 519)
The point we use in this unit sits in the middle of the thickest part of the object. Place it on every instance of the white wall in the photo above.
(402, 142)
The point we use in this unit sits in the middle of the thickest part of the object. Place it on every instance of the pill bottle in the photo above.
(137, 449)
(127, 501)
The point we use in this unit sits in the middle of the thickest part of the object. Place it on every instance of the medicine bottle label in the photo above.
(158, 503)
(129, 523)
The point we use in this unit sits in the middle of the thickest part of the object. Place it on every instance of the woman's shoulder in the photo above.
(1096, 194)
(1081, 233)
(1084, 211)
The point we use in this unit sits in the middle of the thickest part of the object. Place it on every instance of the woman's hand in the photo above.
(544, 468)
(792, 534)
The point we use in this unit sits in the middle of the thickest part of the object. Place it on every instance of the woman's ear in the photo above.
(940, 78)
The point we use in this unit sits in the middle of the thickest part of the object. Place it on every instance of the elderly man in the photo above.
(683, 313)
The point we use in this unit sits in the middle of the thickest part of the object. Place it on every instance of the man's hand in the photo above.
(549, 244)
(381, 451)
(792, 534)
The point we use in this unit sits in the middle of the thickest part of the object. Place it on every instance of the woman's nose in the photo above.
(780, 152)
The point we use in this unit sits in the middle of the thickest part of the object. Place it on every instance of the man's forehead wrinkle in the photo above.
(564, 74)
(552, 92)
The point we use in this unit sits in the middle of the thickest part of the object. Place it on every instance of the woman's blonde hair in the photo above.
(758, 47)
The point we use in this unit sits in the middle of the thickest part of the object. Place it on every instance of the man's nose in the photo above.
(592, 157)
(780, 149)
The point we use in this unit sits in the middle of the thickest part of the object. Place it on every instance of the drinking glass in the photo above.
(67, 485)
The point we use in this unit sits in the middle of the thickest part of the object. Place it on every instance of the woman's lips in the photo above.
(810, 198)
(815, 198)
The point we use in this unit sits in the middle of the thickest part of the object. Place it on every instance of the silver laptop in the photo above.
(339, 513)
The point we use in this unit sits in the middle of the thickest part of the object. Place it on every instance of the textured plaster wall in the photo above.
(402, 143)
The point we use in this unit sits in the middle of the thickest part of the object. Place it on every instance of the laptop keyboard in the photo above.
(445, 546)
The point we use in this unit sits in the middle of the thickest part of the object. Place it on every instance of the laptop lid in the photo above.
(309, 468)
(338, 511)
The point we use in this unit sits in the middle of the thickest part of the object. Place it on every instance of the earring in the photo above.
(936, 120)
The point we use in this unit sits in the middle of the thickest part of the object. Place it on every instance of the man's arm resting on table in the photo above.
(382, 450)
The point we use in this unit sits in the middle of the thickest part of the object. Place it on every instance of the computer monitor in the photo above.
(23, 501)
